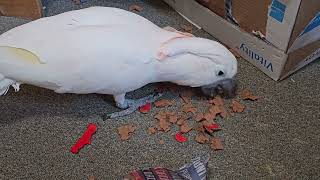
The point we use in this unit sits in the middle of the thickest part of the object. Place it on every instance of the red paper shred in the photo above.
(145, 108)
(85, 138)
(212, 127)
(180, 138)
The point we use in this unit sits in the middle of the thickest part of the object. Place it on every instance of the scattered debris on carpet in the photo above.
(202, 138)
(189, 117)
(161, 142)
(152, 130)
(135, 8)
(78, 2)
(247, 95)
(216, 144)
(237, 107)
(163, 103)
(187, 28)
(125, 131)
(146, 108)
(85, 139)
(91, 177)
(196, 170)
(180, 137)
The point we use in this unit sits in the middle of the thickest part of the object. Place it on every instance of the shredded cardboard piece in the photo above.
(164, 125)
(163, 115)
(163, 103)
(85, 139)
(185, 128)
(160, 115)
(247, 95)
(77, 2)
(209, 116)
(173, 119)
(224, 113)
(136, 8)
(208, 123)
(161, 142)
(189, 108)
(213, 112)
(187, 28)
(211, 127)
(199, 117)
(202, 138)
(91, 177)
(218, 101)
(152, 130)
(125, 131)
(216, 144)
(145, 108)
(182, 119)
(180, 138)
(200, 128)
(237, 107)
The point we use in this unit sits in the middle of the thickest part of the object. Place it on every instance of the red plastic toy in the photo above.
(85, 138)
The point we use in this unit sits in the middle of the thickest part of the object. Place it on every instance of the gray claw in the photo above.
(133, 106)
(106, 116)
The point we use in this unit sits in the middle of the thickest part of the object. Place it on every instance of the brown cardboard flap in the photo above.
(251, 15)
(279, 29)
(301, 57)
(21, 8)
(267, 58)
(217, 6)
(307, 11)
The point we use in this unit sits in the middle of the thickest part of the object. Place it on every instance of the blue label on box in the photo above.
(312, 25)
(278, 10)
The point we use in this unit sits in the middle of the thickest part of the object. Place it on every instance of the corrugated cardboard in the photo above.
(307, 11)
(242, 12)
(281, 20)
(272, 60)
(217, 6)
(307, 26)
(31, 9)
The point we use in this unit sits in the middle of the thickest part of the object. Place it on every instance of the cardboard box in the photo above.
(31, 9)
(217, 6)
(292, 32)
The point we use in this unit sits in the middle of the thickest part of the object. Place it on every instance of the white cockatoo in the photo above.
(110, 51)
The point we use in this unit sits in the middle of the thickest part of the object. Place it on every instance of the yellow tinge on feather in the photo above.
(21, 54)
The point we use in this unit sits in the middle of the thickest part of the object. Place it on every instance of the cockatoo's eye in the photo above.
(220, 73)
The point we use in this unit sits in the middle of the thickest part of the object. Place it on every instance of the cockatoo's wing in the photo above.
(71, 47)
(71, 35)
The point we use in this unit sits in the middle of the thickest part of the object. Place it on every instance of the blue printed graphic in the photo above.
(278, 10)
(312, 25)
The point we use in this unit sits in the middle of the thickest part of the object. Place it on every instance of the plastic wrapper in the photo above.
(196, 170)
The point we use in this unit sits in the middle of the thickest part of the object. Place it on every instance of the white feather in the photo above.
(93, 50)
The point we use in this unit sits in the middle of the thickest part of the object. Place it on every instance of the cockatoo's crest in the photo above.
(186, 44)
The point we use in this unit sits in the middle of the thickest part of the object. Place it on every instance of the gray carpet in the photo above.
(275, 138)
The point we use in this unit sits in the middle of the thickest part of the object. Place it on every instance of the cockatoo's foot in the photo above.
(130, 105)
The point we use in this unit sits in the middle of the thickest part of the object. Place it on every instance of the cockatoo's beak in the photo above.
(225, 87)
